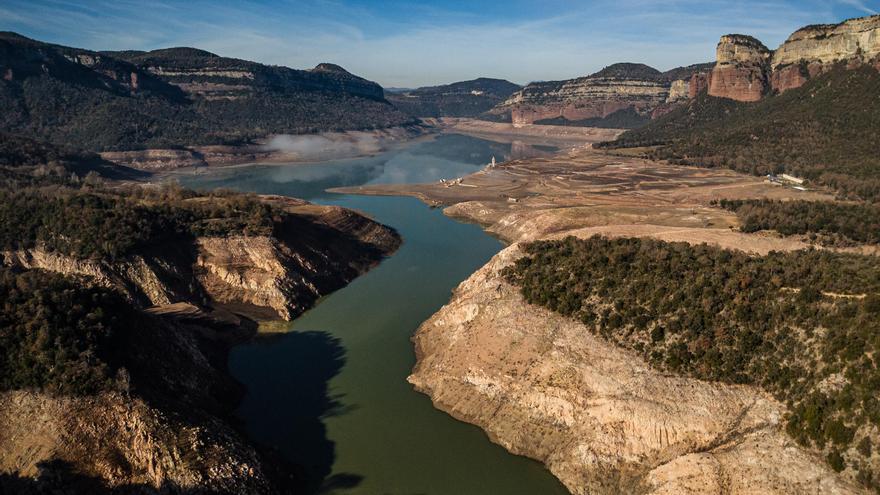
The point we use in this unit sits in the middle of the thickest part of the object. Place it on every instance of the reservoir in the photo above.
(331, 394)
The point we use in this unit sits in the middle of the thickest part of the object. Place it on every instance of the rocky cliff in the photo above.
(746, 70)
(203, 74)
(620, 88)
(741, 69)
(599, 417)
(615, 88)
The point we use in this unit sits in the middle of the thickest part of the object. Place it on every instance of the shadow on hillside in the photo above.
(288, 399)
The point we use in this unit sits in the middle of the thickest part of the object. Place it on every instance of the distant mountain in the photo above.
(627, 70)
(460, 99)
(685, 73)
(620, 95)
(174, 97)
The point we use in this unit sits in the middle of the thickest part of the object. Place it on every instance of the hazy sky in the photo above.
(406, 43)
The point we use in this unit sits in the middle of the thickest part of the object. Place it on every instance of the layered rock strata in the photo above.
(597, 95)
(619, 87)
(746, 70)
(317, 250)
(741, 70)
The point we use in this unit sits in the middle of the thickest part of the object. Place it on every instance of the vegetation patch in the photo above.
(826, 221)
(54, 333)
(105, 223)
(803, 325)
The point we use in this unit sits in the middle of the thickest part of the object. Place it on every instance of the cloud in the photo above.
(858, 4)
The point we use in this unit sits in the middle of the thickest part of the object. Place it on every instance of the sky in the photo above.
(401, 43)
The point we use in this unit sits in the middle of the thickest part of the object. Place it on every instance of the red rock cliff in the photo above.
(741, 72)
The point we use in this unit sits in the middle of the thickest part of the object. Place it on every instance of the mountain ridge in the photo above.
(174, 97)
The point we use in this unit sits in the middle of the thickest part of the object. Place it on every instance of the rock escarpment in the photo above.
(746, 70)
(176, 97)
(740, 72)
(615, 88)
(204, 74)
(601, 419)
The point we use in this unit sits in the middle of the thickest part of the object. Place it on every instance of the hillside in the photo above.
(174, 97)
(460, 99)
(824, 131)
(801, 325)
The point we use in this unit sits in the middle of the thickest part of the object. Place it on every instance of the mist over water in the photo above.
(327, 146)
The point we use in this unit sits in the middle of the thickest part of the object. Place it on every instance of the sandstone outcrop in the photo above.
(615, 88)
(741, 69)
(857, 39)
(204, 74)
(678, 90)
(601, 419)
(746, 70)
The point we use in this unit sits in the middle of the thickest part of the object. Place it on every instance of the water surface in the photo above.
(331, 394)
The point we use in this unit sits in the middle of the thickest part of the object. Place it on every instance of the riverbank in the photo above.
(600, 418)
(527, 133)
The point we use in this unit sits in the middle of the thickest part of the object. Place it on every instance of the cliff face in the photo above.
(598, 95)
(203, 74)
(857, 39)
(316, 250)
(740, 72)
(602, 420)
(746, 70)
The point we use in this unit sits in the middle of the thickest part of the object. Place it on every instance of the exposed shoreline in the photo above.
(488, 351)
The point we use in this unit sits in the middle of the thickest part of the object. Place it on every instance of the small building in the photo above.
(791, 178)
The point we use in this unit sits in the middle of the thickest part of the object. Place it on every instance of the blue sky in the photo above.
(406, 43)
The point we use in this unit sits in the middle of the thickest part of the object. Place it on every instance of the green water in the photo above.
(331, 395)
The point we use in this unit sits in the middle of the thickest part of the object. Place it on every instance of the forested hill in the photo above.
(825, 131)
(174, 97)
(460, 99)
